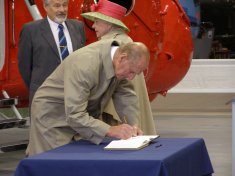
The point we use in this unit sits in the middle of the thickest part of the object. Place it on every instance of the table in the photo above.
(164, 157)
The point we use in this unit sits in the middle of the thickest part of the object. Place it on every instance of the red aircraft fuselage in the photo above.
(162, 25)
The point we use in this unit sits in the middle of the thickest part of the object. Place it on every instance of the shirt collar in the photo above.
(54, 24)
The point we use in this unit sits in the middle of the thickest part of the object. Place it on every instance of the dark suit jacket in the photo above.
(38, 55)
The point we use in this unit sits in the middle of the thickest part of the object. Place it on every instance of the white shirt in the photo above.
(113, 50)
(55, 31)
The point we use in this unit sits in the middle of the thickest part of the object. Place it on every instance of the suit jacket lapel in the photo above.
(72, 32)
(48, 36)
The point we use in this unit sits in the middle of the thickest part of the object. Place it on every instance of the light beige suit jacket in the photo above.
(73, 97)
(146, 121)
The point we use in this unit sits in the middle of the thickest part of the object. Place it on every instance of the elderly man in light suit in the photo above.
(72, 98)
(107, 17)
(39, 53)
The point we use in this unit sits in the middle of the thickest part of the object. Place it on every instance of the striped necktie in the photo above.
(62, 42)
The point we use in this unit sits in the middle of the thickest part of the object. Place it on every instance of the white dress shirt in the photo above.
(113, 50)
(55, 31)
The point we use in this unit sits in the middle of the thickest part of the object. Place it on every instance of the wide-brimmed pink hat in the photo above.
(107, 11)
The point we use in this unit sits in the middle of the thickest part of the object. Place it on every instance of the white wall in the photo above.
(206, 89)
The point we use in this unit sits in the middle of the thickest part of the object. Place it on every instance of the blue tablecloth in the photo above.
(164, 157)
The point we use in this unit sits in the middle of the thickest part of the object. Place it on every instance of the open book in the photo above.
(133, 143)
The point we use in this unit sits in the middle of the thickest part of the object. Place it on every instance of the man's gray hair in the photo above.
(135, 50)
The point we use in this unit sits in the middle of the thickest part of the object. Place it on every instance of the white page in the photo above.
(136, 142)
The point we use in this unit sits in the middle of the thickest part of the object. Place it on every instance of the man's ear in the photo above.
(123, 57)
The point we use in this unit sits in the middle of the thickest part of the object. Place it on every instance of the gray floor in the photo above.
(215, 130)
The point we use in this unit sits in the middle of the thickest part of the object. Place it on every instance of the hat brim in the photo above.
(96, 15)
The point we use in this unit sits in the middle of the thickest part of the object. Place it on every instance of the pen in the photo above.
(159, 145)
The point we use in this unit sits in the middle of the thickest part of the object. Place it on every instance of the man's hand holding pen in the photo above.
(124, 131)
(137, 130)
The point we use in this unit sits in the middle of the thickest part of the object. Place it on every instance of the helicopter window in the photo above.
(2, 34)
(129, 4)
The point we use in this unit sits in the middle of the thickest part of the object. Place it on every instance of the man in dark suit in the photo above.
(39, 46)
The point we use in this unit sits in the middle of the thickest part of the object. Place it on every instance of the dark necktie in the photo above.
(63, 43)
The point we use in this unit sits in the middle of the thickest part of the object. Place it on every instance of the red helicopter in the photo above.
(161, 24)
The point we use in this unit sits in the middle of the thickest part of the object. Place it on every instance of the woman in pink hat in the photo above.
(107, 17)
